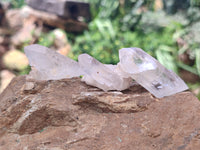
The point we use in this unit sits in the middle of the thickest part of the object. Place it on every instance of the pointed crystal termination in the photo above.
(149, 73)
(102, 76)
(49, 65)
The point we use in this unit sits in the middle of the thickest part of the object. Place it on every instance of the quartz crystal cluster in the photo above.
(134, 64)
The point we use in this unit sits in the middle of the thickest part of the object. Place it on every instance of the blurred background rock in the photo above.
(169, 30)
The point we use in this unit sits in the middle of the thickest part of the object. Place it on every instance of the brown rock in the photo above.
(5, 78)
(70, 115)
(61, 42)
(189, 77)
(28, 33)
(27, 24)
(14, 19)
(55, 21)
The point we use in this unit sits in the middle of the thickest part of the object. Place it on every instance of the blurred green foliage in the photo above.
(111, 29)
(15, 3)
(46, 39)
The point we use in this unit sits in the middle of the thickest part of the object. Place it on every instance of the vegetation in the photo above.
(172, 39)
(137, 24)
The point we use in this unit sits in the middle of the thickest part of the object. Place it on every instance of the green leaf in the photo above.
(188, 68)
(166, 60)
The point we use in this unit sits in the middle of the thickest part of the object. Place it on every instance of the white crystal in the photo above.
(102, 76)
(134, 64)
(49, 65)
(149, 73)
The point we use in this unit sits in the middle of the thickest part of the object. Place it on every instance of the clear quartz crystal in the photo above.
(134, 64)
(149, 73)
(47, 64)
(102, 76)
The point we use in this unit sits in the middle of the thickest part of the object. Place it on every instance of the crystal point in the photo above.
(149, 73)
(100, 75)
(49, 65)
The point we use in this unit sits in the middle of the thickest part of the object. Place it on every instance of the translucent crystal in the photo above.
(49, 65)
(102, 76)
(134, 64)
(149, 73)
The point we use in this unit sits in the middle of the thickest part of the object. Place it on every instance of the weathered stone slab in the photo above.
(53, 20)
(63, 8)
(68, 114)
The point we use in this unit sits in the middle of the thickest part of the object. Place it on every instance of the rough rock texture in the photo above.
(6, 77)
(68, 114)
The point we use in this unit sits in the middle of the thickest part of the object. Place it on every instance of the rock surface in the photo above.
(70, 115)
(6, 77)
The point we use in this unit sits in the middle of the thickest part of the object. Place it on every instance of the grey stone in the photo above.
(62, 8)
